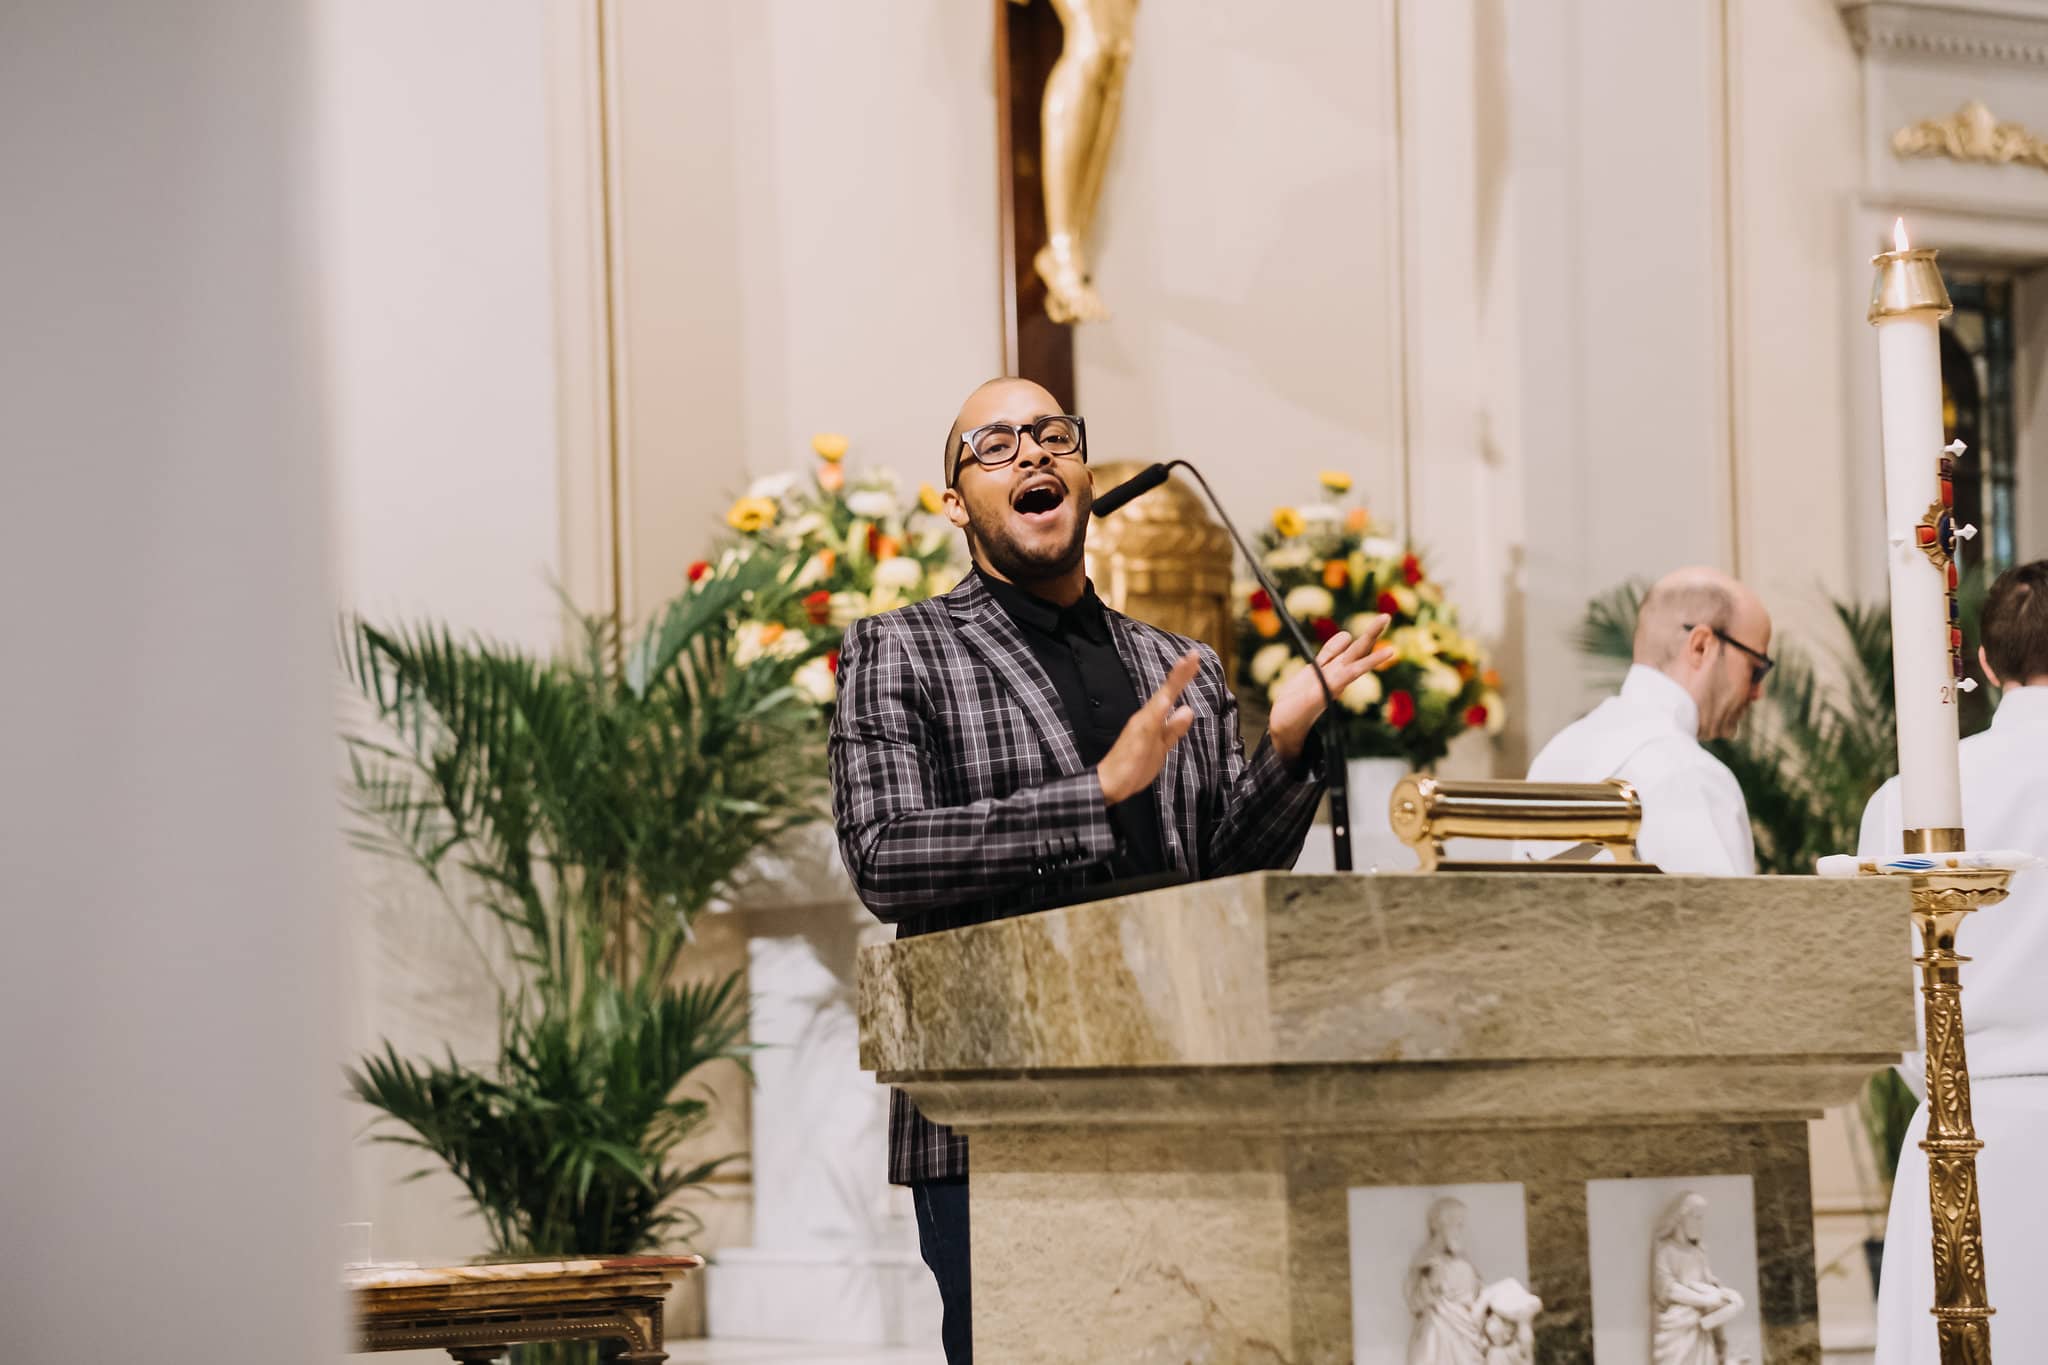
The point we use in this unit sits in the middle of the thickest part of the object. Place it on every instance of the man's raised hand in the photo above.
(1134, 761)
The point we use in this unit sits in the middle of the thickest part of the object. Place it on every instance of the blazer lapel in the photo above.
(990, 633)
(1148, 665)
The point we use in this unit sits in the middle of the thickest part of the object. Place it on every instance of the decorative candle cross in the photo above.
(1907, 304)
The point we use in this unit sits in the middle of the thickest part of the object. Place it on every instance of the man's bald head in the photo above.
(1706, 632)
(992, 396)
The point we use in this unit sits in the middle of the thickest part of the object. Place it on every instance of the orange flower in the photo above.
(826, 559)
(818, 607)
(771, 632)
(887, 547)
(1466, 670)
(831, 477)
(1356, 520)
(1491, 677)
(1335, 575)
(1266, 623)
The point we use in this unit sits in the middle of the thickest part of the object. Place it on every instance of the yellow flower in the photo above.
(749, 515)
(928, 499)
(1287, 521)
(1336, 480)
(830, 445)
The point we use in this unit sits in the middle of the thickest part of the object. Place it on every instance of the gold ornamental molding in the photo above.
(1973, 134)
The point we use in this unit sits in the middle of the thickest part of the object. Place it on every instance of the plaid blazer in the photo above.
(960, 797)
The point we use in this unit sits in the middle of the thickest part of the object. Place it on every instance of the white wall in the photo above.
(1247, 251)
(436, 286)
(173, 1138)
(434, 197)
(808, 244)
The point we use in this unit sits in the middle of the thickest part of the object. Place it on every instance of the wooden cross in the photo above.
(1028, 41)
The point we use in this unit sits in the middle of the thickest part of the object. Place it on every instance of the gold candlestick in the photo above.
(1941, 898)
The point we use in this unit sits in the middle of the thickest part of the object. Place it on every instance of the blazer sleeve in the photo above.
(1266, 809)
(908, 854)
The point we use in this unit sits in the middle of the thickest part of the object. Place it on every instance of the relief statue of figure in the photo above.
(1083, 97)
(1688, 1306)
(1459, 1320)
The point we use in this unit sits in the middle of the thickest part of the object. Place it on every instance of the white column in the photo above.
(174, 1128)
(835, 1254)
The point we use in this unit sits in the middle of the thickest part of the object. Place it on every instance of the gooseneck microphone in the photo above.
(1149, 478)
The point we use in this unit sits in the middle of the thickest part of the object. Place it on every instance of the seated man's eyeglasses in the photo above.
(996, 444)
(1763, 663)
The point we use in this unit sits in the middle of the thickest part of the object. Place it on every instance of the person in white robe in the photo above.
(2005, 1006)
(1701, 653)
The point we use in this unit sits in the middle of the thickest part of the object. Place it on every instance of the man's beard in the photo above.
(1016, 564)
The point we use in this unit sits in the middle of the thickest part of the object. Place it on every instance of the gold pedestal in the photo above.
(1940, 900)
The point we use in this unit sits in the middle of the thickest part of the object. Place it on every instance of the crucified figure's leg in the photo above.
(1083, 97)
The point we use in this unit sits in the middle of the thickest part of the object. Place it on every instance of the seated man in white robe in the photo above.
(2005, 1005)
(1700, 660)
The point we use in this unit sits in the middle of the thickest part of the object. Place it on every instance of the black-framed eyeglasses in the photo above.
(995, 444)
(1758, 670)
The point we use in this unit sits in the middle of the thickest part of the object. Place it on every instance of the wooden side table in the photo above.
(479, 1312)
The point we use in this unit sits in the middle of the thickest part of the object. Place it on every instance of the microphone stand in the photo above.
(1333, 738)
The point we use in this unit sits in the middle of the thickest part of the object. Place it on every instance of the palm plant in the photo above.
(588, 808)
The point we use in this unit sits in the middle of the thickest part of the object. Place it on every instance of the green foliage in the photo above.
(1822, 743)
(590, 807)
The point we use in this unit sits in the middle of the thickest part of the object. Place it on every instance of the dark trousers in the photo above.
(942, 1237)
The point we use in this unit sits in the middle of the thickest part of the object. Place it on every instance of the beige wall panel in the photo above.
(1246, 248)
(807, 240)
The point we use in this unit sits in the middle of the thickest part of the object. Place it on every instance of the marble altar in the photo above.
(1170, 1095)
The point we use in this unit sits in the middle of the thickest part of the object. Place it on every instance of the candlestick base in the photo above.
(1934, 840)
(1941, 898)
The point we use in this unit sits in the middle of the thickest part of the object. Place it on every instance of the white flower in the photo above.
(1363, 692)
(942, 580)
(1279, 683)
(1362, 623)
(1309, 601)
(1266, 664)
(812, 572)
(872, 503)
(1379, 547)
(775, 486)
(1496, 712)
(1442, 680)
(757, 640)
(1324, 512)
(1404, 598)
(900, 572)
(1295, 556)
(848, 607)
(809, 524)
(885, 598)
(815, 681)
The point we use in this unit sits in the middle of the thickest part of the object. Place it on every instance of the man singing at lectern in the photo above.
(1005, 747)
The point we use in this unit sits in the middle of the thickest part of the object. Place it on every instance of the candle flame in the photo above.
(1899, 234)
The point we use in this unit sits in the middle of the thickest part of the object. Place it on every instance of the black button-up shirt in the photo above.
(1075, 648)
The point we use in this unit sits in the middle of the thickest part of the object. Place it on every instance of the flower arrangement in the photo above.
(1336, 570)
(851, 547)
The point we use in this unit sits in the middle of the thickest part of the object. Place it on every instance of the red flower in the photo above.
(832, 662)
(699, 569)
(1411, 569)
(1261, 602)
(818, 606)
(1475, 716)
(1387, 606)
(1400, 709)
(1322, 628)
